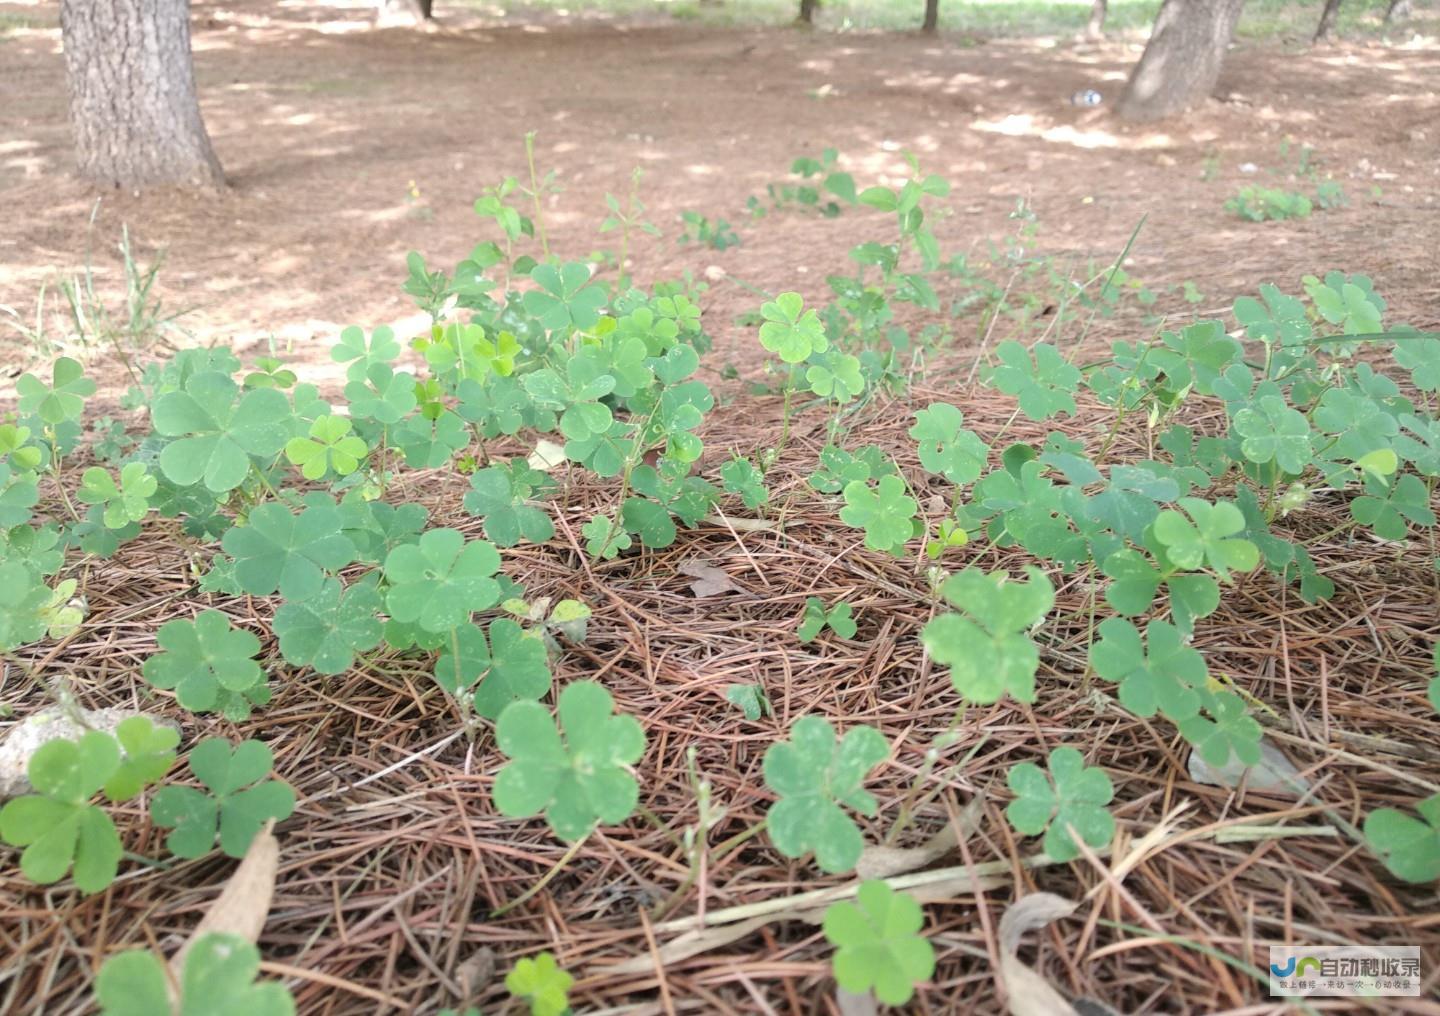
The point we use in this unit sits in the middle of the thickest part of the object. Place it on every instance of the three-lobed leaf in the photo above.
(878, 944)
(1070, 796)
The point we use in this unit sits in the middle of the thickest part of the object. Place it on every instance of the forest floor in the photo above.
(345, 148)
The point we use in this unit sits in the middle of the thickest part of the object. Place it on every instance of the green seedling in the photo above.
(1256, 204)
(878, 943)
(1410, 847)
(946, 447)
(717, 235)
(578, 774)
(816, 617)
(740, 477)
(209, 665)
(268, 372)
(542, 984)
(791, 332)
(240, 800)
(1070, 797)
(501, 495)
(566, 299)
(987, 645)
(218, 980)
(1044, 386)
(60, 401)
(816, 777)
(1162, 672)
(360, 353)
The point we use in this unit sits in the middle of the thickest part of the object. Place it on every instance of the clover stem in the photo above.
(535, 192)
(55, 472)
(544, 879)
(932, 758)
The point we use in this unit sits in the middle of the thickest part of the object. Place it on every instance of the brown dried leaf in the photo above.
(1028, 993)
(709, 580)
(244, 903)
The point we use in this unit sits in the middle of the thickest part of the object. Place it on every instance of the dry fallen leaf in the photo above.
(882, 862)
(709, 580)
(1027, 992)
(244, 903)
(1273, 774)
(546, 456)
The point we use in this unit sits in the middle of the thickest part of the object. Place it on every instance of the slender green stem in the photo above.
(535, 193)
(544, 879)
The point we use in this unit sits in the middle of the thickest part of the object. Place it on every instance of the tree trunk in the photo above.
(807, 11)
(404, 12)
(1399, 10)
(932, 16)
(1096, 26)
(1327, 21)
(132, 94)
(1181, 63)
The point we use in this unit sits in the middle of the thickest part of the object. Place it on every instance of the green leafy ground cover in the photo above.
(1062, 533)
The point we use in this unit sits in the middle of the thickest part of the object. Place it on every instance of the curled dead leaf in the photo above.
(244, 903)
(1029, 994)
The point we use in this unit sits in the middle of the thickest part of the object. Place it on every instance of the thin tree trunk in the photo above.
(1327, 21)
(1181, 63)
(807, 11)
(132, 94)
(932, 16)
(1399, 10)
(1096, 26)
(404, 12)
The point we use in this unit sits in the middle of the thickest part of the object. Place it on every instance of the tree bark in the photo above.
(404, 12)
(1095, 28)
(807, 11)
(932, 16)
(1327, 21)
(1181, 63)
(132, 94)
(1399, 10)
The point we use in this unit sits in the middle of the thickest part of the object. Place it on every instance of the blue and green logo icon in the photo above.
(1295, 967)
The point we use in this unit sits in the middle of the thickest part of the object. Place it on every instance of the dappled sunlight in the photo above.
(1027, 125)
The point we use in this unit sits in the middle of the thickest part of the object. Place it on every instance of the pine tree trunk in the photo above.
(1181, 63)
(932, 16)
(807, 11)
(132, 94)
(1327, 21)
(404, 12)
(1096, 26)
(1399, 10)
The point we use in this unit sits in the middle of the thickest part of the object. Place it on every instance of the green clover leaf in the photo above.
(57, 825)
(126, 502)
(1385, 506)
(604, 538)
(542, 984)
(740, 476)
(1162, 676)
(814, 775)
(1210, 542)
(1280, 319)
(330, 446)
(838, 379)
(1270, 431)
(147, 750)
(441, 580)
(326, 631)
(1135, 581)
(24, 603)
(1045, 387)
(18, 494)
(501, 494)
(886, 513)
(565, 298)
(1228, 732)
(750, 699)
(17, 451)
(1421, 357)
(511, 667)
(649, 521)
(209, 665)
(381, 394)
(789, 333)
(61, 400)
(361, 354)
(577, 779)
(816, 617)
(878, 945)
(277, 549)
(218, 430)
(1349, 302)
(946, 447)
(218, 980)
(238, 802)
(987, 646)
(839, 467)
(1071, 795)
(1409, 847)
(428, 443)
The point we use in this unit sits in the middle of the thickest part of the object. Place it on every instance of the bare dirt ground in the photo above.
(387, 888)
